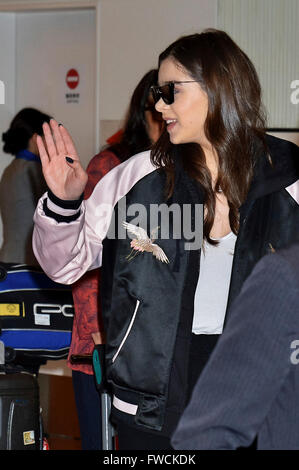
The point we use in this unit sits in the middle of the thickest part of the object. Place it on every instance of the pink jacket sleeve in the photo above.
(66, 250)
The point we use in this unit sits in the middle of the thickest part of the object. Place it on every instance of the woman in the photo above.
(142, 127)
(21, 186)
(162, 319)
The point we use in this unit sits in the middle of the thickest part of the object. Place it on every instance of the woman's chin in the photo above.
(174, 139)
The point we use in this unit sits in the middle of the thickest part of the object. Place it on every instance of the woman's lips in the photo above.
(170, 123)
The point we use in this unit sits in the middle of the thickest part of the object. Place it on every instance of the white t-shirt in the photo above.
(213, 284)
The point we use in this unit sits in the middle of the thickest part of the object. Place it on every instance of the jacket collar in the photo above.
(273, 171)
(276, 170)
(27, 155)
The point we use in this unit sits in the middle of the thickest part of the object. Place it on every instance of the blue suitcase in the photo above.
(36, 314)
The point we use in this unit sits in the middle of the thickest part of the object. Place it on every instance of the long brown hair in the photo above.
(235, 122)
(135, 137)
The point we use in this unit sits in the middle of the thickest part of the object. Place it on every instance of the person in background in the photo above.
(142, 127)
(21, 186)
(250, 386)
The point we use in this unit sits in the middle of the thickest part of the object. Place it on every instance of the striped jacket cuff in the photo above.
(62, 210)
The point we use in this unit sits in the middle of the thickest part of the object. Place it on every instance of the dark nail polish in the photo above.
(69, 159)
(60, 124)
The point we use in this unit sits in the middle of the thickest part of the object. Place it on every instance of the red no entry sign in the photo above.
(72, 78)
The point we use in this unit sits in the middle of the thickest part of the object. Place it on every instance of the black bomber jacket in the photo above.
(147, 305)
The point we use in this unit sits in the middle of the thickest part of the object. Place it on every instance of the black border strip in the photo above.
(279, 129)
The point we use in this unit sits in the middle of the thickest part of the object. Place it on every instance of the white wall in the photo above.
(48, 44)
(133, 33)
(7, 75)
(36, 50)
(267, 30)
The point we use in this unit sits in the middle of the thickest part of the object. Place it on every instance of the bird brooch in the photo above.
(143, 242)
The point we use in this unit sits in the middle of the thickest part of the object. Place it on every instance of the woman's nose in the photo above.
(160, 105)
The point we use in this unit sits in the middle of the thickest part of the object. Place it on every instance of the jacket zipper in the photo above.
(127, 332)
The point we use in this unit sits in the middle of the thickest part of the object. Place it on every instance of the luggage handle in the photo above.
(81, 359)
(2, 353)
(7, 354)
(97, 360)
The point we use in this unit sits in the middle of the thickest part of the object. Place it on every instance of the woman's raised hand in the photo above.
(65, 179)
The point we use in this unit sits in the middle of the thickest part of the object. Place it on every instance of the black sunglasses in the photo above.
(166, 92)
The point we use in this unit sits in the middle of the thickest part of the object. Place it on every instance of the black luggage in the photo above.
(20, 425)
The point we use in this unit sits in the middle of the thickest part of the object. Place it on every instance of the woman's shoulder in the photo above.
(276, 169)
(277, 146)
(15, 169)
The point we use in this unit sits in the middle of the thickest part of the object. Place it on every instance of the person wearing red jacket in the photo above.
(142, 127)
